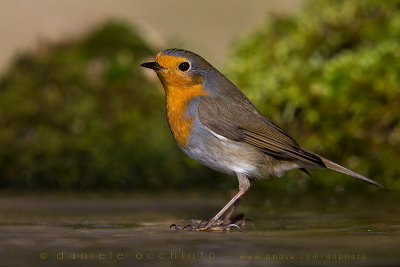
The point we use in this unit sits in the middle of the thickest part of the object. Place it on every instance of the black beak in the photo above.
(151, 65)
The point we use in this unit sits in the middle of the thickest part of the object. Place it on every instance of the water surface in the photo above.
(129, 229)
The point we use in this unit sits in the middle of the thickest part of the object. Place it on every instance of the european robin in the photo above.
(214, 123)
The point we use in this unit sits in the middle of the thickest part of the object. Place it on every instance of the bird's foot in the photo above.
(226, 224)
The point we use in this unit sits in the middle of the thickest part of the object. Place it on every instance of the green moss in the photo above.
(81, 114)
(330, 76)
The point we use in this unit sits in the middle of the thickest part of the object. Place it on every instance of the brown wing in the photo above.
(240, 121)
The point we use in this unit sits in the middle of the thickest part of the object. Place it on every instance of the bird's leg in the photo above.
(244, 185)
(215, 223)
(227, 217)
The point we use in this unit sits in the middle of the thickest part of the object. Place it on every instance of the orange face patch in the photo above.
(171, 75)
(180, 87)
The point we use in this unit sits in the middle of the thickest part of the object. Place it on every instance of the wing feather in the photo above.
(240, 121)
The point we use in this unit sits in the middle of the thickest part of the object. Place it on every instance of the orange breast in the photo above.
(177, 100)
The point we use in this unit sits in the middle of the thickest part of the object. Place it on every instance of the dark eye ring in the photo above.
(184, 66)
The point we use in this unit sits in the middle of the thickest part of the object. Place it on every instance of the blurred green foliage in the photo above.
(330, 76)
(81, 114)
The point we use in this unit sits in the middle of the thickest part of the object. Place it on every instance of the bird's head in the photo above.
(180, 68)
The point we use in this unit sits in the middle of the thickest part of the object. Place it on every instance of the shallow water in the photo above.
(133, 229)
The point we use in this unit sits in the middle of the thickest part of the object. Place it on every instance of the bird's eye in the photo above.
(184, 66)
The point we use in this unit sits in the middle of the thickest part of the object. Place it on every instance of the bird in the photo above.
(214, 123)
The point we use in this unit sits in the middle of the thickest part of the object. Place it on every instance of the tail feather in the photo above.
(336, 167)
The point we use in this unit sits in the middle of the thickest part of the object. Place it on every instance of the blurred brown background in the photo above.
(207, 26)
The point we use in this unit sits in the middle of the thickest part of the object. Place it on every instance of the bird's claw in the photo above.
(190, 227)
(233, 226)
(217, 226)
(177, 227)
